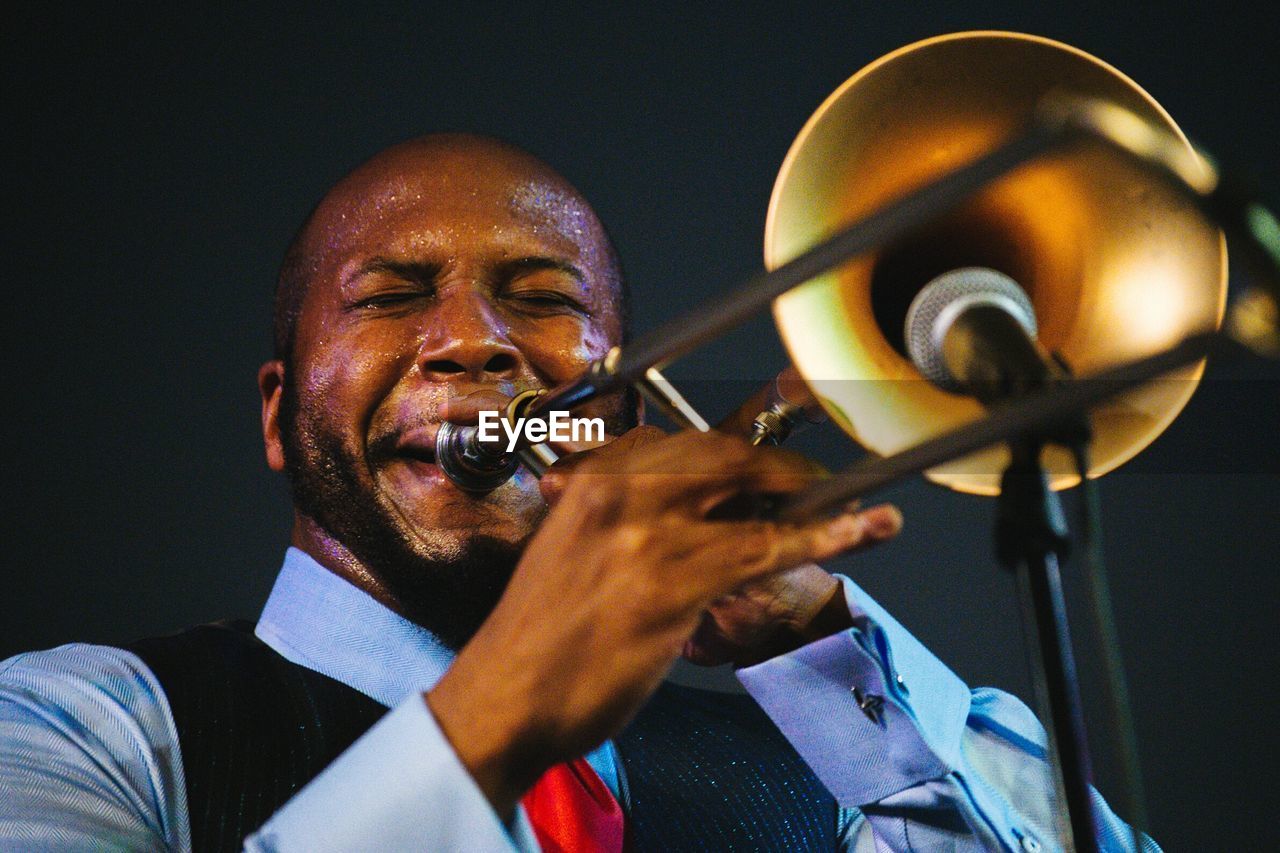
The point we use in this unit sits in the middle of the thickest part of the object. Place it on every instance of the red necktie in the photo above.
(573, 811)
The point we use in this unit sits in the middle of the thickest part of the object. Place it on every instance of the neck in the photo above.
(317, 543)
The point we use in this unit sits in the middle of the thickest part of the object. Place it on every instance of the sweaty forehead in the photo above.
(544, 205)
(420, 196)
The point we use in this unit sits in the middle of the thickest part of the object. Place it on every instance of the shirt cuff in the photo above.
(870, 710)
(399, 787)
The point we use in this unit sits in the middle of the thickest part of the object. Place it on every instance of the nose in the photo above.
(467, 340)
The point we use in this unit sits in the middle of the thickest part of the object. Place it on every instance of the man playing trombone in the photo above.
(439, 669)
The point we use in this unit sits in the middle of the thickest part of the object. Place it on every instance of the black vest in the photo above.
(705, 771)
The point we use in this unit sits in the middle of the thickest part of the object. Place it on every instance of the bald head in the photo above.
(445, 170)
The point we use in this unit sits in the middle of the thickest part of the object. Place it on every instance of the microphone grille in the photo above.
(939, 302)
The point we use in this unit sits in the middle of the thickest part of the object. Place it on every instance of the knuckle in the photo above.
(725, 449)
(588, 461)
(593, 497)
(632, 540)
(552, 486)
(566, 465)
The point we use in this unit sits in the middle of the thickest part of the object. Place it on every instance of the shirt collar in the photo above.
(318, 620)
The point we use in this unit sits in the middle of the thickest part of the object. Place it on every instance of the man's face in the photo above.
(441, 273)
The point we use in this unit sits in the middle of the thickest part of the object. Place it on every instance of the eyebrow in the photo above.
(410, 270)
(427, 271)
(534, 263)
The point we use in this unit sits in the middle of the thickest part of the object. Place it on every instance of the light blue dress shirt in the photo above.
(89, 754)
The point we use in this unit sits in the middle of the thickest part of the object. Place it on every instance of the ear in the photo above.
(271, 387)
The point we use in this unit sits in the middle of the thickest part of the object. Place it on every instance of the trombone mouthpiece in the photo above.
(472, 465)
(476, 465)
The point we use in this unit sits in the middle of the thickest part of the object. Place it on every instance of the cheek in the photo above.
(349, 374)
(561, 348)
(597, 341)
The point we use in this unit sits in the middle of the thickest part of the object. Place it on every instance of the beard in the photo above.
(448, 587)
(448, 590)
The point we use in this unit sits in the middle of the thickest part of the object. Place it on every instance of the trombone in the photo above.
(1039, 161)
(1008, 153)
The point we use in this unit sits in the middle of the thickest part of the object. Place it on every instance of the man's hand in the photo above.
(614, 586)
(782, 612)
(764, 618)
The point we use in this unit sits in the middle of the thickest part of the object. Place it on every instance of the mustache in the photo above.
(383, 448)
(459, 408)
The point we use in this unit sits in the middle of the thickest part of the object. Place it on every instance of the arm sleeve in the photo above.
(89, 760)
(88, 754)
(898, 737)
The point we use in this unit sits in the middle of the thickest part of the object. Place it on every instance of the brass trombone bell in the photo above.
(1117, 264)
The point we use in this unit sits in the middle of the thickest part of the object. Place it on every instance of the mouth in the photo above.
(418, 444)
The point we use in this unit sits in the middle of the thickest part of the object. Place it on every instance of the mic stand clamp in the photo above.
(1031, 539)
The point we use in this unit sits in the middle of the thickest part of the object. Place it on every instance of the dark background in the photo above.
(164, 158)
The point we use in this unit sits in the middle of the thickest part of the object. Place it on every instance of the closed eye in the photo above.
(389, 300)
(545, 297)
(542, 284)
(547, 300)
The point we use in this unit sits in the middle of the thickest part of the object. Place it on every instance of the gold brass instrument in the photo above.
(993, 149)
(1117, 265)
(1020, 155)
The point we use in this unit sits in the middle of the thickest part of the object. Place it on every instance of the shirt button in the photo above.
(1030, 845)
(901, 682)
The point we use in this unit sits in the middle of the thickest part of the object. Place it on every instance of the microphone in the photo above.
(973, 331)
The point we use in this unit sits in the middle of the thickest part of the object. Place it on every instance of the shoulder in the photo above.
(88, 747)
(80, 672)
(88, 693)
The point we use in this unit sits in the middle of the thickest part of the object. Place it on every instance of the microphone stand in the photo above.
(1031, 538)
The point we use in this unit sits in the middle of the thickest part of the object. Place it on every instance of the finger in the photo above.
(688, 472)
(751, 550)
(741, 421)
(883, 522)
(766, 473)
(708, 646)
(580, 446)
(711, 463)
(616, 444)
